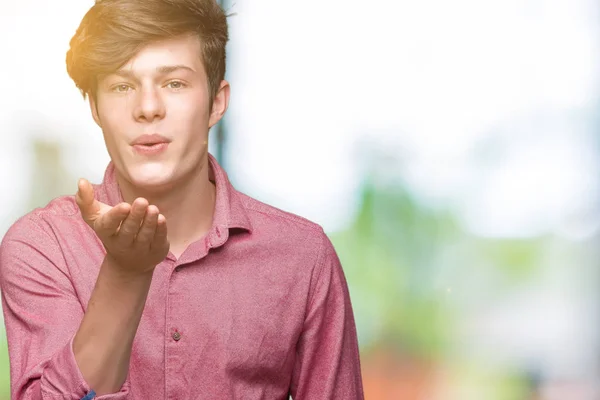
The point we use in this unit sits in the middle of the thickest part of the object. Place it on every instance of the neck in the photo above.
(188, 206)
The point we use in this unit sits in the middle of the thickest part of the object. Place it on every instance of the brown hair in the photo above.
(113, 31)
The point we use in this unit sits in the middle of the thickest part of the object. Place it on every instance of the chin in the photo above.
(151, 176)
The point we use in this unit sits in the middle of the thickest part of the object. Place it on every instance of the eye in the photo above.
(176, 85)
(121, 88)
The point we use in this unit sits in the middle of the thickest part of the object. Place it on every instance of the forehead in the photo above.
(183, 50)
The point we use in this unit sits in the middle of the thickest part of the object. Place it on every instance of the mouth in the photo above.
(150, 140)
(150, 144)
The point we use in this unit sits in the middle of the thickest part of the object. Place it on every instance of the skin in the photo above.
(162, 90)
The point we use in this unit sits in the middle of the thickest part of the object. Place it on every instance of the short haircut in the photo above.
(114, 31)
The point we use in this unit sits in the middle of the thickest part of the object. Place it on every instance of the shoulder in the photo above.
(297, 237)
(296, 240)
(63, 206)
(32, 257)
(270, 219)
(35, 230)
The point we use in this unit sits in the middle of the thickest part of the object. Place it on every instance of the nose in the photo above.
(149, 105)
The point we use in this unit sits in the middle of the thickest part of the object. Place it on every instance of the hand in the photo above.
(135, 236)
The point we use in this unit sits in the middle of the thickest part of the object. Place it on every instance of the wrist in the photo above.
(126, 274)
(123, 291)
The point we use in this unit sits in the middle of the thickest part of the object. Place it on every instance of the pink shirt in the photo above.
(257, 309)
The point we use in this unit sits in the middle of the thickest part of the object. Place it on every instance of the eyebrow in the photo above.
(166, 69)
(162, 70)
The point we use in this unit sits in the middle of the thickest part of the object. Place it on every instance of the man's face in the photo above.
(155, 113)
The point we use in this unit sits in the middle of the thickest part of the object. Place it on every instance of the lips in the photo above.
(150, 145)
(150, 140)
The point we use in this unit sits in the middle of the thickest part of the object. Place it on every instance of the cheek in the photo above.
(112, 127)
(192, 122)
(191, 108)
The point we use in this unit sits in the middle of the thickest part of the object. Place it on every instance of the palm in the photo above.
(100, 211)
(134, 235)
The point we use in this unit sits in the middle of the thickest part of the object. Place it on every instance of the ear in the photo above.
(94, 108)
(220, 104)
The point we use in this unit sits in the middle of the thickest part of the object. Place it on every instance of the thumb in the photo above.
(85, 200)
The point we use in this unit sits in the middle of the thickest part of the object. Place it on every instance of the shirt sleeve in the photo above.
(327, 361)
(42, 314)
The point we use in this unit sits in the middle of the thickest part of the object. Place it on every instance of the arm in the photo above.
(42, 311)
(41, 315)
(327, 360)
(103, 343)
(135, 238)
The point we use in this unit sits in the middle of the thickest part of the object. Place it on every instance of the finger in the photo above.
(131, 225)
(160, 236)
(148, 228)
(85, 200)
(109, 223)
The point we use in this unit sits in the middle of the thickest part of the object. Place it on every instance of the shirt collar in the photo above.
(229, 209)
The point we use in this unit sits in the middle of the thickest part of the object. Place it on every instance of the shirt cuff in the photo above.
(62, 379)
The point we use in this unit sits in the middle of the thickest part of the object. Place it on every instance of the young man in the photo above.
(239, 301)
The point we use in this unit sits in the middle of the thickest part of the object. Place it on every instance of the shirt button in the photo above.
(176, 336)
